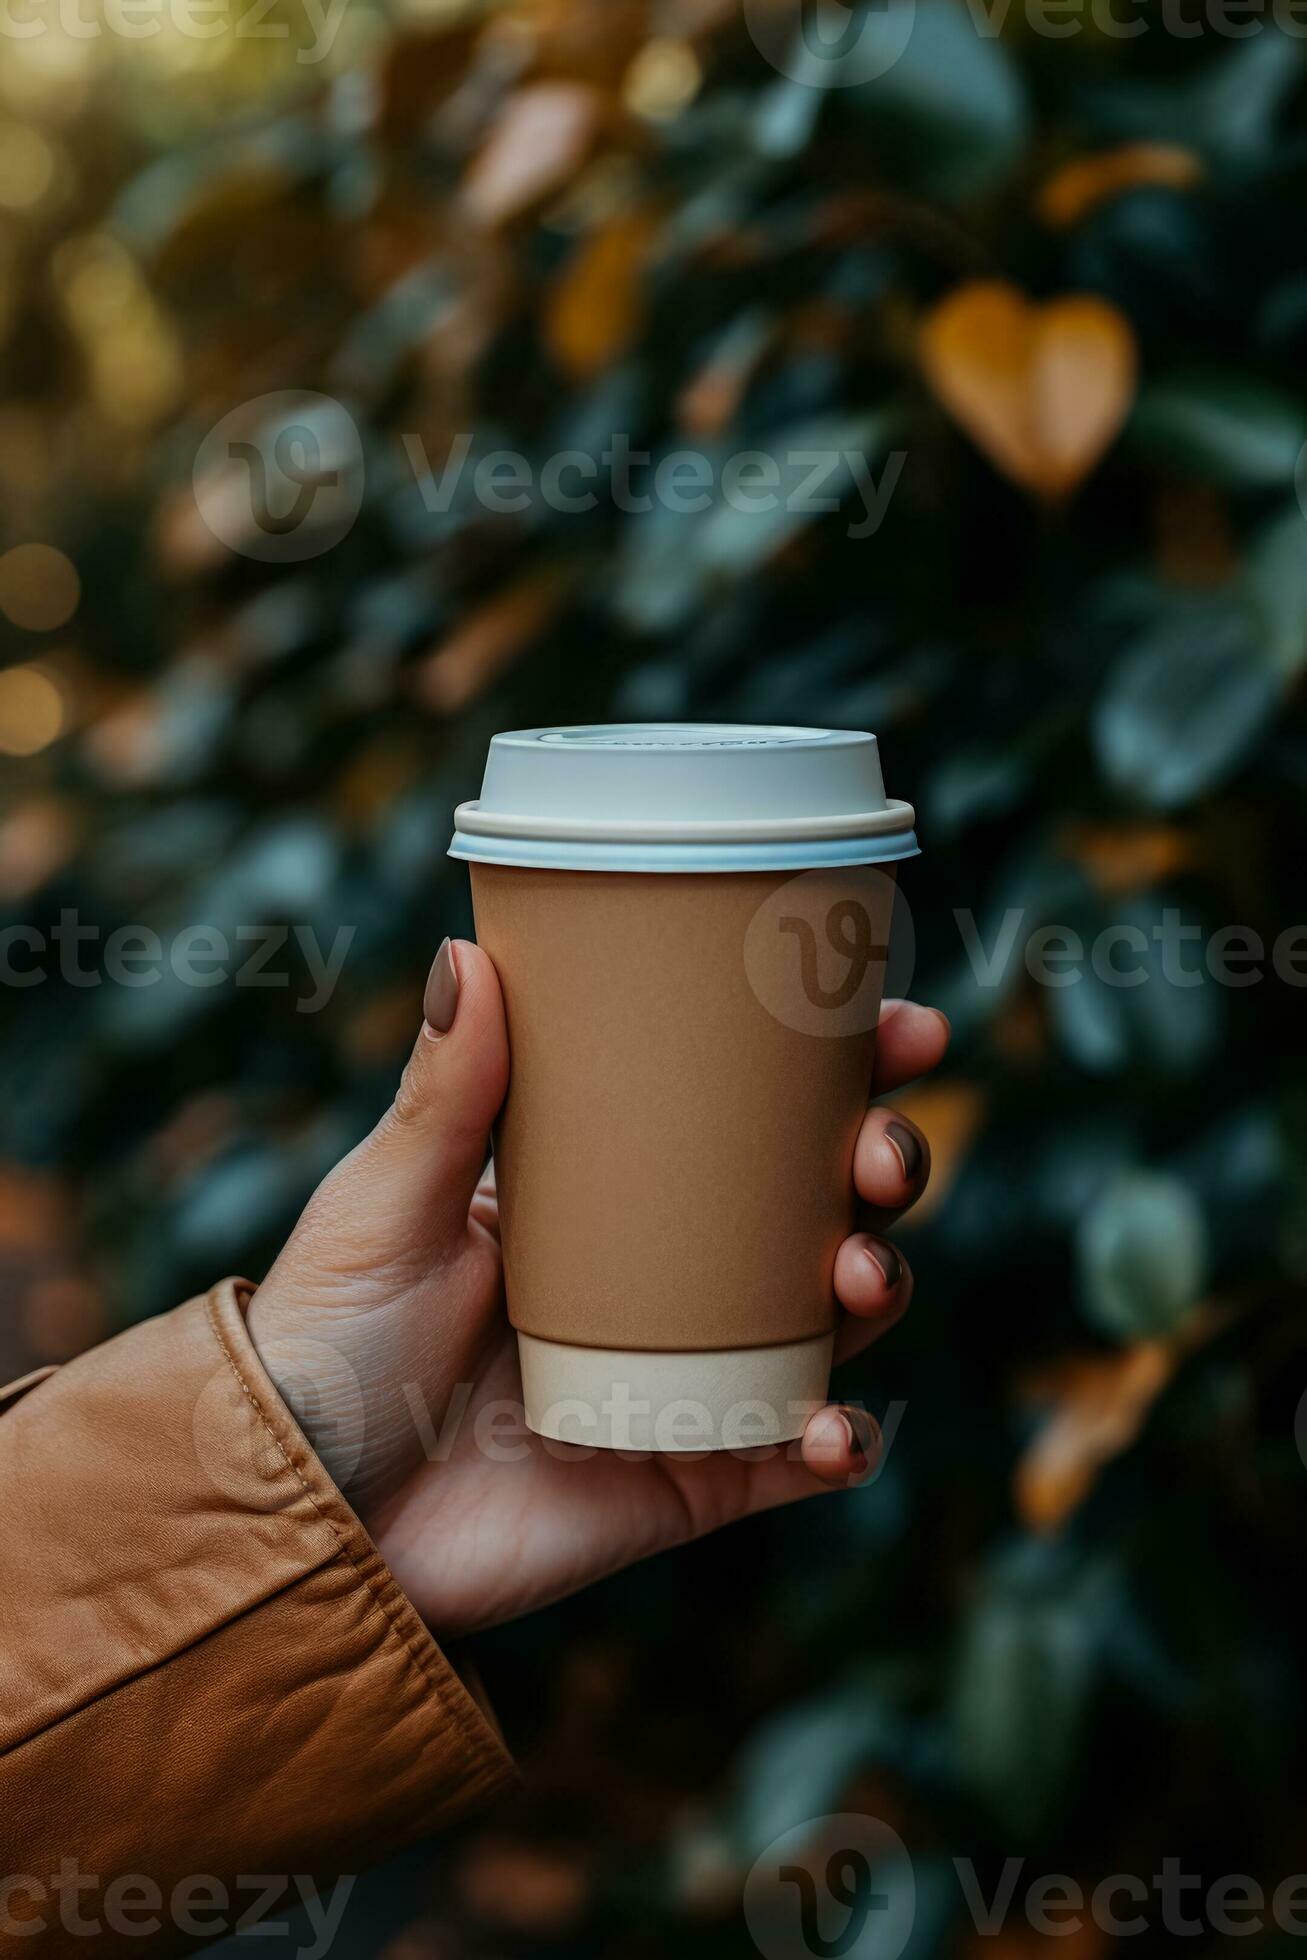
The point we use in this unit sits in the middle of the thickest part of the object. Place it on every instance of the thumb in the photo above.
(429, 1149)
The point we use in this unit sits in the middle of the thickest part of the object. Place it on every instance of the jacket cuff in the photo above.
(464, 1721)
(189, 1591)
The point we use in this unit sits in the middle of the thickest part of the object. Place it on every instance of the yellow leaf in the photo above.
(1081, 186)
(595, 309)
(1043, 390)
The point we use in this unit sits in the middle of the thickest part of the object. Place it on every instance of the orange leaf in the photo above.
(1101, 1406)
(529, 1888)
(950, 1114)
(36, 840)
(543, 134)
(63, 1315)
(1076, 1940)
(419, 73)
(1126, 858)
(1043, 390)
(710, 400)
(1194, 533)
(488, 640)
(1080, 186)
(595, 309)
(33, 1210)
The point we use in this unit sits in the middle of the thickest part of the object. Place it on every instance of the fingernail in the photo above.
(863, 1437)
(440, 1001)
(908, 1148)
(940, 1015)
(888, 1260)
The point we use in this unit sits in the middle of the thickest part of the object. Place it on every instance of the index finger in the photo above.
(910, 1041)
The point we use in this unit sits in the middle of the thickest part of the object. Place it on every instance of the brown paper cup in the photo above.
(691, 1058)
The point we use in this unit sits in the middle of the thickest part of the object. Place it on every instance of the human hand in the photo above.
(382, 1322)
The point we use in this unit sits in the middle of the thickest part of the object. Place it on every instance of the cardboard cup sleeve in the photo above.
(691, 1059)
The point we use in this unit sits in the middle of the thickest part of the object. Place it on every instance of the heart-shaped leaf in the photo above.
(1043, 390)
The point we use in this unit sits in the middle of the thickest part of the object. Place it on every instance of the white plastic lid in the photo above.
(683, 796)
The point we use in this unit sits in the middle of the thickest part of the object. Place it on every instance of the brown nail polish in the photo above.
(863, 1437)
(888, 1260)
(908, 1148)
(440, 1001)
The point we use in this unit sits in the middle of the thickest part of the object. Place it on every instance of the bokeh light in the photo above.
(49, 74)
(39, 588)
(663, 79)
(31, 710)
(128, 344)
(27, 166)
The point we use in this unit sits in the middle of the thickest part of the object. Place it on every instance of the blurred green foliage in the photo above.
(1059, 1624)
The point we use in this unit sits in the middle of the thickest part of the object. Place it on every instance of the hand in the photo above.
(382, 1322)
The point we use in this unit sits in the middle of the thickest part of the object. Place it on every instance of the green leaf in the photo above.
(1228, 111)
(1142, 1249)
(756, 500)
(797, 1765)
(1022, 1688)
(815, 475)
(787, 112)
(1275, 579)
(1184, 705)
(1126, 1014)
(1241, 433)
(1233, 108)
(949, 113)
(973, 783)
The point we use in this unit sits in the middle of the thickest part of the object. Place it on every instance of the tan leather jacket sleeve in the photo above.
(206, 1667)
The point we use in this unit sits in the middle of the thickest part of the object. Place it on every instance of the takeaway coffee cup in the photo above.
(690, 927)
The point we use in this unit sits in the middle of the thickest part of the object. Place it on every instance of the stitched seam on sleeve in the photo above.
(475, 1739)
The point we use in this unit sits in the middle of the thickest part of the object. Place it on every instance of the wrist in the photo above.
(327, 1371)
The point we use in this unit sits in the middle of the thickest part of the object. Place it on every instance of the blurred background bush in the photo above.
(1058, 1626)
